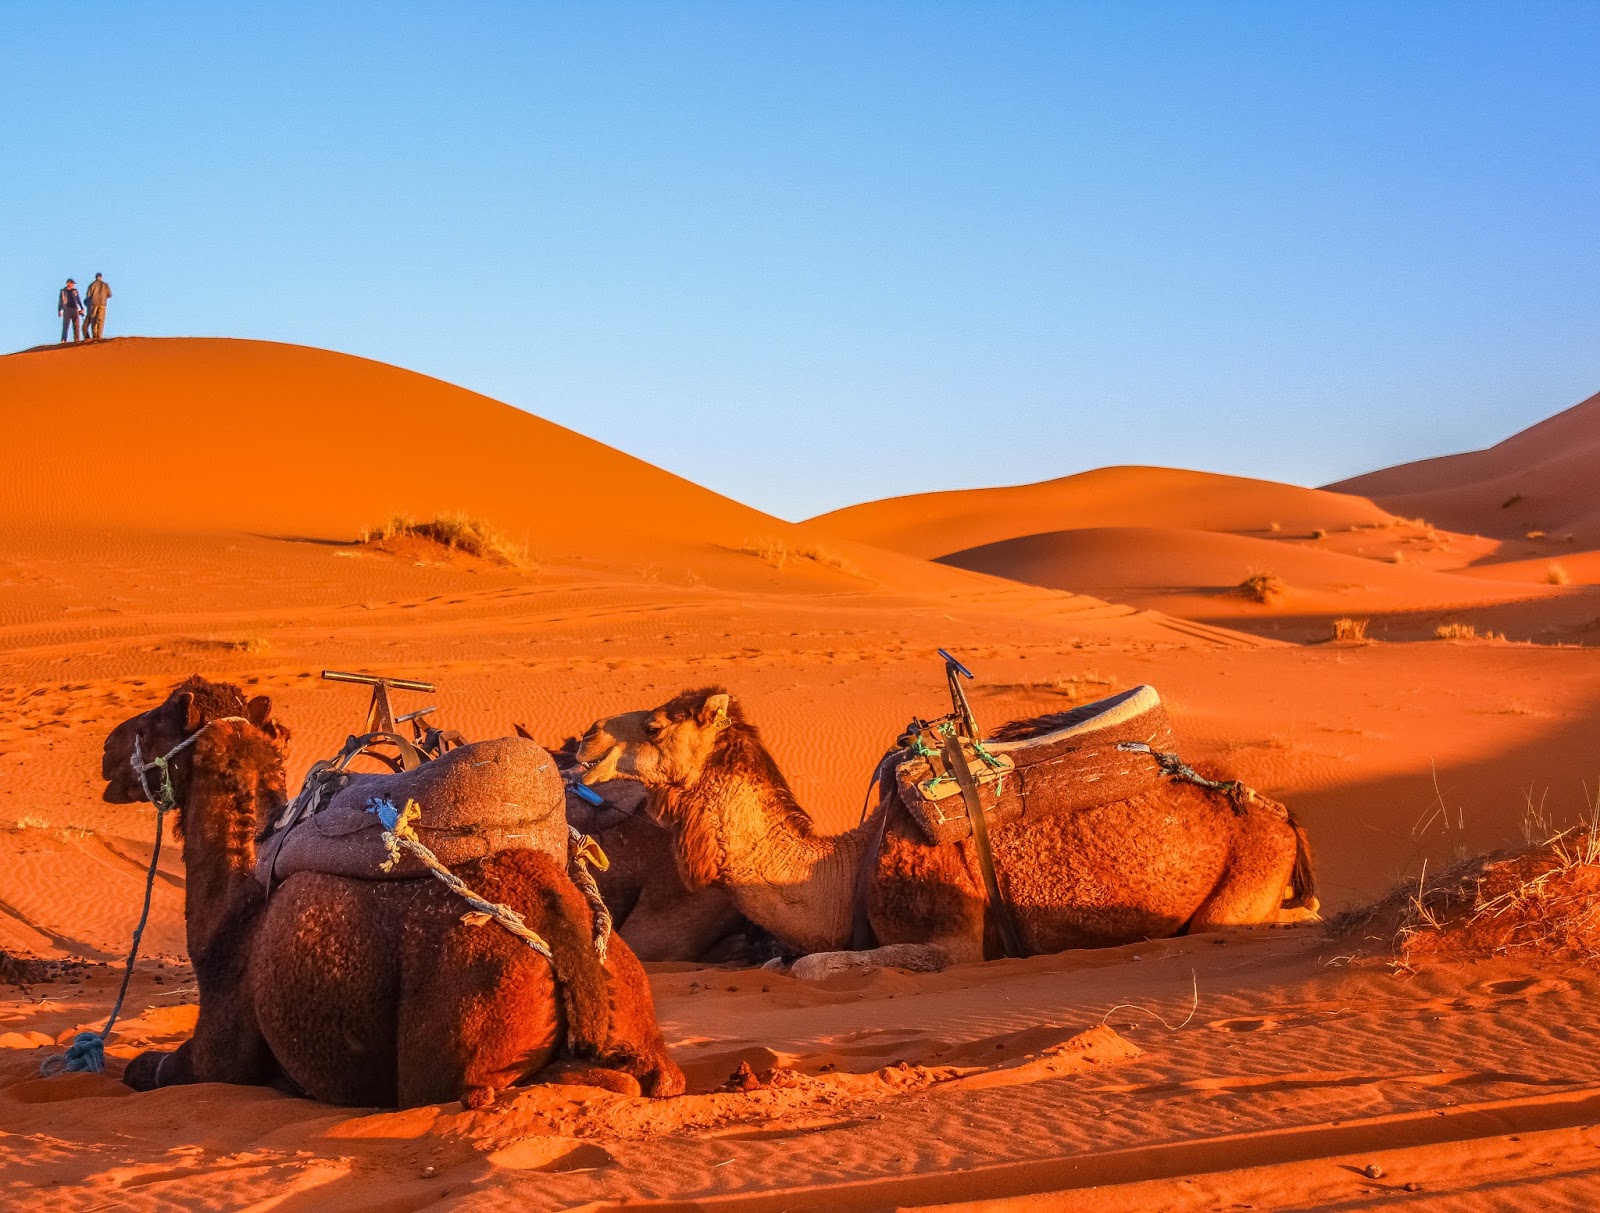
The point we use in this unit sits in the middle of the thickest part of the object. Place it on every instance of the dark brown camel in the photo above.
(1173, 857)
(370, 992)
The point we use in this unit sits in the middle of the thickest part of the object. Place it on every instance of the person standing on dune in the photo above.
(99, 292)
(69, 307)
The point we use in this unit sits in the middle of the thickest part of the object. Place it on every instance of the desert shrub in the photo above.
(777, 553)
(1350, 629)
(1556, 575)
(1465, 631)
(460, 532)
(1263, 587)
(1319, 533)
(1535, 535)
(1541, 900)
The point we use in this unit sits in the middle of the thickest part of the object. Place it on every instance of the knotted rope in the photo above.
(87, 1052)
(1239, 794)
(586, 850)
(398, 832)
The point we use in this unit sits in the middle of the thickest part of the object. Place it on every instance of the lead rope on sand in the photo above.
(87, 1052)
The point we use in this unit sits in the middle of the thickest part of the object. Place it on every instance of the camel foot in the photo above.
(917, 957)
(588, 1074)
(1310, 912)
(143, 1073)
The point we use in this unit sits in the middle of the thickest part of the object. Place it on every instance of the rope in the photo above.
(586, 850)
(1176, 768)
(399, 832)
(87, 1052)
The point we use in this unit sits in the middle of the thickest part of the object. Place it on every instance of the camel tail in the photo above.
(1302, 879)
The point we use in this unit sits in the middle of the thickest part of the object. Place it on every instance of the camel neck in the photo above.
(743, 832)
(235, 779)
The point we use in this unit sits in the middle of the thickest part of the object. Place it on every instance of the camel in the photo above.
(659, 915)
(370, 992)
(1174, 857)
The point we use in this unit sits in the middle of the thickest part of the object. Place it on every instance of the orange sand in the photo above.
(185, 513)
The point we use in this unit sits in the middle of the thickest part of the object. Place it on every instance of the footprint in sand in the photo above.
(1245, 1024)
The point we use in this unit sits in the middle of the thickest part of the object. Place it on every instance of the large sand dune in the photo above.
(250, 435)
(171, 507)
(1545, 478)
(936, 524)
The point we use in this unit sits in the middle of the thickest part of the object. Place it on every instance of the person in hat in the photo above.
(99, 291)
(70, 308)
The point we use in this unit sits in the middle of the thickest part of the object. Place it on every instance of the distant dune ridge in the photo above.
(201, 433)
(937, 524)
(1545, 478)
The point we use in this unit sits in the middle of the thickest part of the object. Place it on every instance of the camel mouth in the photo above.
(602, 769)
(118, 792)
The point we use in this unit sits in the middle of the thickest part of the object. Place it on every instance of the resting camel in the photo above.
(370, 992)
(659, 916)
(1176, 856)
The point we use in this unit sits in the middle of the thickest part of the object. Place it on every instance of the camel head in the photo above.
(192, 704)
(664, 747)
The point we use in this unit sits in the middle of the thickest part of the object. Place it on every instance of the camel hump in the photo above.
(477, 799)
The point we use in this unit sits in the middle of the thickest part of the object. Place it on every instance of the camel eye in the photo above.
(652, 729)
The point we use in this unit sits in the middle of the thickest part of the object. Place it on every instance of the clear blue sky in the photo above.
(809, 254)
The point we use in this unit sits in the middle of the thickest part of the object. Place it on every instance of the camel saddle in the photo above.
(1067, 761)
(476, 799)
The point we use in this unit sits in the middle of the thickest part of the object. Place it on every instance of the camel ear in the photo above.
(190, 711)
(522, 732)
(714, 711)
(258, 711)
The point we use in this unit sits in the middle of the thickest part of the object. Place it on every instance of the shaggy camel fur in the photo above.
(370, 992)
(651, 907)
(1175, 857)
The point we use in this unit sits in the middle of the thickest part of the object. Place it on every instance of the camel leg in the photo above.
(677, 924)
(1251, 889)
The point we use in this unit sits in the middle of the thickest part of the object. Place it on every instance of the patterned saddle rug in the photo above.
(1094, 754)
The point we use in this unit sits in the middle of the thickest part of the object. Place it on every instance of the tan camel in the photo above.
(1176, 856)
(659, 916)
(370, 992)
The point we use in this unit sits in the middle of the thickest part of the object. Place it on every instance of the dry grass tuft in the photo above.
(1464, 631)
(459, 532)
(1534, 535)
(777, 553)
(1265, 588)
(1319, 533)
(1556, 575)
(1350, 629)
(1541, 900)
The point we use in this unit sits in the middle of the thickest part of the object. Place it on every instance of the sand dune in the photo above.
(1197, 574)
(170, 507)
(936, 524)
(1541, 479)
(183, 433)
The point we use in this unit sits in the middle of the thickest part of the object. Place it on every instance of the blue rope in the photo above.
(87, 1052)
